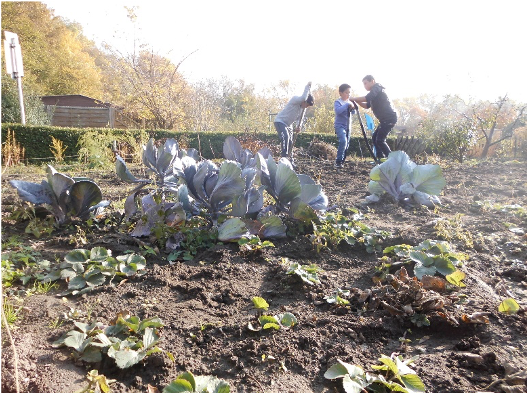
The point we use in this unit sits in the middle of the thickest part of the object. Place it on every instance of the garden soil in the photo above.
(206, 305)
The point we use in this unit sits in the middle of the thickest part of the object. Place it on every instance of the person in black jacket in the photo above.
(383, 110)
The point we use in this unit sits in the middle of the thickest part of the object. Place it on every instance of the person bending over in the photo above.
(383, 110)
(286, 117)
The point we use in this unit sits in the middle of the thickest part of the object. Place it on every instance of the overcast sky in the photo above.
(473, 48)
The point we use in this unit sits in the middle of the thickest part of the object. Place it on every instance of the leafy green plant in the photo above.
(253, 244)
(265, 226)
(308, 273)
(370, 238)
(331, 231)
(38, 227)
(187, 382)
(190, 237)
(431, 257)
(334, 228)
(233, 150)
(420, 320)
(63, 196)
(87, 269)
(128, 341)
(162, 200)
(338, 297)
(406, 181)
(21, 263)
(281, 321)
(285, 320)
(397, 376)
(296, 194)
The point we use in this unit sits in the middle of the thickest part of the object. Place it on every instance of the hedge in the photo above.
(37, 139)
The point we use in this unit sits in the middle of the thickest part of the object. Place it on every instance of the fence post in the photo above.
(111, 115)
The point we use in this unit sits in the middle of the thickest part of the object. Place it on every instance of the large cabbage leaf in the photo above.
(83, 195)
(394, 172)
(229, 184)
(35, 193)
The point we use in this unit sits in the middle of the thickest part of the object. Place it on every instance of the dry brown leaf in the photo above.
(477, 317)
(123, 313)
(364, 296)
(403, 275)
(152, 389)
(433, 304)
(392, 310)
(434, 283)
(448, 317)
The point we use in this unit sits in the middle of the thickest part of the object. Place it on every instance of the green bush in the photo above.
(448, 138)
(34, 108)
(37, 139)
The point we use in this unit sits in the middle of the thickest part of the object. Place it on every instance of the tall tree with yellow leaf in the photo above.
(58, 59)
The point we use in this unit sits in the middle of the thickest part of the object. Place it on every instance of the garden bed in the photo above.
(205, 303)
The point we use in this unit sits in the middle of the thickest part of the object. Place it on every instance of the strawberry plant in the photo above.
(253, 244)
(338, 297)
(128, 340)
(395, 375)
(188, 383)
(332, 229)
(430, 257)
(281, 321)
(87, 269)
(308, 273)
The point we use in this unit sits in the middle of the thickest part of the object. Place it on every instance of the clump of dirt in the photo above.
(323, 150)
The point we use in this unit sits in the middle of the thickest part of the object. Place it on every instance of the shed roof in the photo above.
(74, 100)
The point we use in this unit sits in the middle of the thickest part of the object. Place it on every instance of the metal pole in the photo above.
(18, 81)
(21, 99)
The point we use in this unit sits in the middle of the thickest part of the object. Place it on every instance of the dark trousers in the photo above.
(379, 139)
(286, 138)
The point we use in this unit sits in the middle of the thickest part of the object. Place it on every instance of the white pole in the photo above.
(21, 98)
(15, 67)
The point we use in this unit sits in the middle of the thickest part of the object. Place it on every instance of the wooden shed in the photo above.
(81, 111)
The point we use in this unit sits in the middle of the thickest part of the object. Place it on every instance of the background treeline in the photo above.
(155, 95)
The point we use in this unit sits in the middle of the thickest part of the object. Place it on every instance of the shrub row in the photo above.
(37, 139)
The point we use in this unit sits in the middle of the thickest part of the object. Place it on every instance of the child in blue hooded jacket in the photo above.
(343, 112)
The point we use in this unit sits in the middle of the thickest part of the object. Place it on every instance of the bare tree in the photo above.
(496, 121)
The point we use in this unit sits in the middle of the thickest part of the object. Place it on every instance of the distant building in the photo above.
(82, 112)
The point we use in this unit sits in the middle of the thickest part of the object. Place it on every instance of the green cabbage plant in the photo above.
(406, 181)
